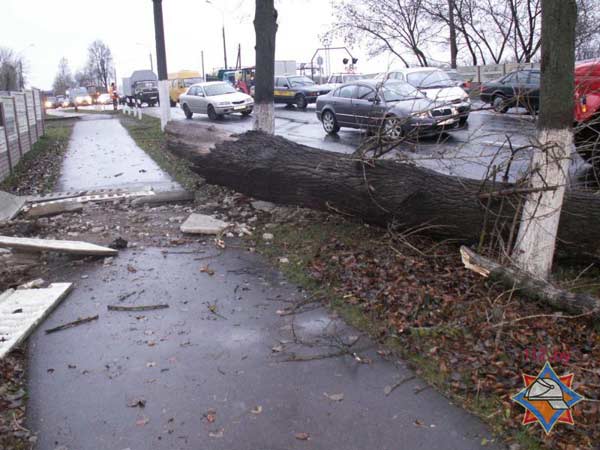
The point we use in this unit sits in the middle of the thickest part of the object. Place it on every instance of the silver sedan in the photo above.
(215, 98)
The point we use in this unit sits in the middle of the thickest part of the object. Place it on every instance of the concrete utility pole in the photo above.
(151, 65)
(203, 72)
(161, 64)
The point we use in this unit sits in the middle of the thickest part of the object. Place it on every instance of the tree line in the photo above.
(97, 71)
(473, 32)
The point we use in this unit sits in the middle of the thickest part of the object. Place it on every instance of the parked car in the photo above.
(216, 99)
(65, 102)
(436, 85)
(51, 103)
(298, 90)
(518, 88)
(395, 107)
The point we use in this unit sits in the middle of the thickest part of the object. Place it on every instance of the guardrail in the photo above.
(21, 125)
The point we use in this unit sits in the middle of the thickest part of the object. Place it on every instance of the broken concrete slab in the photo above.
(21, 311)
(203, 224)
(10, 205)
(43, 245)
(53, 209)
(164, 197)
(107, 196)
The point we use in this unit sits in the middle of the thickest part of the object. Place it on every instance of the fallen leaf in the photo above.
(142, 421)
(131, 269)
(256, 410)
(137, 403)
(334, 397)
(211, 415)
(216, 434)
(302, 436)
(207, 269)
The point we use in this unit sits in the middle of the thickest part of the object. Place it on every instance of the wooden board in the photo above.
(52, 245)
(21, 311)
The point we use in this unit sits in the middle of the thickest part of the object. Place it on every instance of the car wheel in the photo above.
(212, 115)
(392, 128)
(330, 124)
(186, 110)
(173, 104)
(500, 104)
(463, 121)
(301, 102)
(246, 113)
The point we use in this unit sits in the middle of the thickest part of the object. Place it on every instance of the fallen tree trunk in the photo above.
(513, 278)
(381, 192)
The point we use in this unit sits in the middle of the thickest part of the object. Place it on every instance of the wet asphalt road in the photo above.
(468, 152)
(219, 352)
(185, 361)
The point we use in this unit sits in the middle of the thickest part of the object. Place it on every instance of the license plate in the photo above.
(447, 122)
(238, 108)
(283, 93)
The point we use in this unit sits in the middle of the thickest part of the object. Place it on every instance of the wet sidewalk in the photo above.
(101, 154)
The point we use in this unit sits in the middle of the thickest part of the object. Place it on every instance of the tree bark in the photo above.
(265, 26)
(452, 28)
(381, 192)
(534, 248)
(535, 288)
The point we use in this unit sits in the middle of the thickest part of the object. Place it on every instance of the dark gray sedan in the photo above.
(396, 108)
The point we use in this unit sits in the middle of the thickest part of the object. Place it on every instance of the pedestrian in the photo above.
(114, 95)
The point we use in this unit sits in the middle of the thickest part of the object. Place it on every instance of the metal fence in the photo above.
(21, 125)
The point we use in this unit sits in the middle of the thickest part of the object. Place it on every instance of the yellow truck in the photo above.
(180, 81)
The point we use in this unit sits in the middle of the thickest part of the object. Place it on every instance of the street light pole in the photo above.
(203, 72)
(161, 65)
(151, 65)
(224, 47)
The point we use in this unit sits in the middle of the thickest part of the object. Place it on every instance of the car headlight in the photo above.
(422, 115)
(88, 99)
(48, 104)
(223, 104)
(466, 99)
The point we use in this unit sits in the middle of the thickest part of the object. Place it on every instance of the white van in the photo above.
(436, 85)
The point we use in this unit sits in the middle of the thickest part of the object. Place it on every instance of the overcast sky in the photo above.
(58, 28)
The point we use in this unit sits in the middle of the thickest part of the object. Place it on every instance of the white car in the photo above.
(215, 98)
(436, 85)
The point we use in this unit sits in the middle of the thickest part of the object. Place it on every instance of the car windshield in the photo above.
(300, 81)
(393, 91)
(146, 84)
(219, 89)
(429, 79)
(187, 82)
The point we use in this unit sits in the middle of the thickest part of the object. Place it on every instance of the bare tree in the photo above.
(534, 249)
(11, 70)
(100, 62)
(587, 33)
(265, 25)
(396, 26)
(64, 78)
(526, 39)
